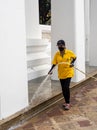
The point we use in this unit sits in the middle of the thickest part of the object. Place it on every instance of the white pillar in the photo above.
(87, 29)
(32, 19)
(93, 33)
(68, 24)
(13, 68)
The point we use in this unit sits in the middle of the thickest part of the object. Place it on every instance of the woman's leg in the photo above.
(65, 83)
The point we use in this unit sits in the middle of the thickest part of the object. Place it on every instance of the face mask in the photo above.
(61, 48)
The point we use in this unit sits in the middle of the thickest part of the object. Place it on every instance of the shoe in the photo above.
(64, 105)
(67, 107)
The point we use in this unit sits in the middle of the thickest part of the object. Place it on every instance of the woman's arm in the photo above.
(50, 71)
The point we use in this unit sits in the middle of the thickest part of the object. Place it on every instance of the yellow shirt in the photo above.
(64, 69)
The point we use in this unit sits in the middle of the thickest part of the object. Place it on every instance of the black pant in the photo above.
(65, 83)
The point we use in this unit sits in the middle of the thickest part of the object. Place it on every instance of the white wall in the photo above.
(93, 33)
(79, 39)
(32, 19)
(13, 68)
(62, 22)
(62, 25)
(68, 24)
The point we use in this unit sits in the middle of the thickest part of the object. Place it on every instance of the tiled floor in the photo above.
(81, 116)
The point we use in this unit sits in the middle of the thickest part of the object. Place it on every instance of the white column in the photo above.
(87, 29)
(13, 68)
(68, 24)
(32, 19)
(93, 33)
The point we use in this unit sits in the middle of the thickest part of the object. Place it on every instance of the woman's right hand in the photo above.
(50, 72)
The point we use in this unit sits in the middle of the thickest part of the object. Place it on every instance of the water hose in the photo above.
(79, 70)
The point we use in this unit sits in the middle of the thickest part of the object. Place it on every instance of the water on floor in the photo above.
(43, 88)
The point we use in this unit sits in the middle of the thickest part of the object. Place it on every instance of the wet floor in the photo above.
(39, 93)
(81, 116)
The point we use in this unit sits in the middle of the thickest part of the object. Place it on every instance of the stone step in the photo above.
(36, 59)
(34, 42)
(35, 56)
(38, 71)
(37, 45)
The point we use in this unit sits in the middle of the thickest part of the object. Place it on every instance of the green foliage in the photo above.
(45, 12)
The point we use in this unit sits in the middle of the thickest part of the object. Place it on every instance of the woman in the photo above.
(65, 60)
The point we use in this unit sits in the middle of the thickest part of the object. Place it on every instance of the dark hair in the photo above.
(61, 42)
